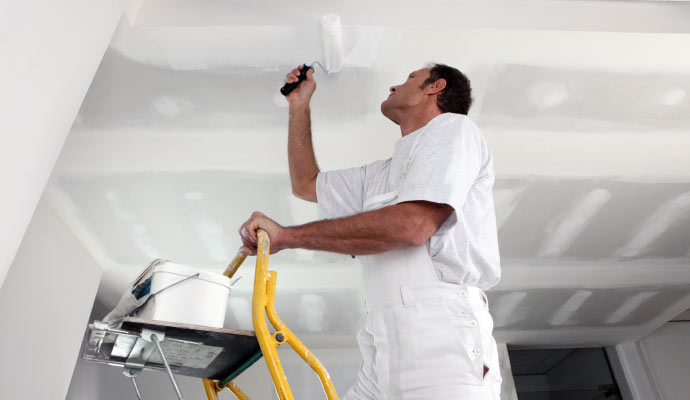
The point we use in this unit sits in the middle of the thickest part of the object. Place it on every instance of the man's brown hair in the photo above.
(457, 95)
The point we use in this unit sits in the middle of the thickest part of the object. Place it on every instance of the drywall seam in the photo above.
(518, 275)
(629, 306)
(565, 229)
(659, 222)
(570, 307)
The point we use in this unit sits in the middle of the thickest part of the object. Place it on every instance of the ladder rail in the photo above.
(263, 307)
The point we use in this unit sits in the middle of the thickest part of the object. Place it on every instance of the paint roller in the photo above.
(331, 38)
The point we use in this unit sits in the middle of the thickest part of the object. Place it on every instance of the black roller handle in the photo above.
(289, 87)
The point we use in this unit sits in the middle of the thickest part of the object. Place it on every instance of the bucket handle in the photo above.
(174, 284)
(165, 288)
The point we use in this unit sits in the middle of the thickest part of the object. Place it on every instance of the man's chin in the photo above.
(384, 109)
(387, 114)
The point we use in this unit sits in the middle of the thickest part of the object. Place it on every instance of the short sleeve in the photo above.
(444, 166)
(340, 193)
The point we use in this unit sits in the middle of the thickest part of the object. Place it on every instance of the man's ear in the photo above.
(436, 87)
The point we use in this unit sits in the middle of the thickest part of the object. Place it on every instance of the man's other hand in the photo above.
(249, 236)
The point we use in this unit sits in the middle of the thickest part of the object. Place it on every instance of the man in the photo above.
(423, 225)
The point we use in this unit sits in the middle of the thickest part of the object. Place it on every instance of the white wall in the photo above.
(50, 51)
(44, 308)
(655, 367)
(667, 355)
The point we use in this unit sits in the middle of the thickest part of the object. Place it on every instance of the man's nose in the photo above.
(393, 89)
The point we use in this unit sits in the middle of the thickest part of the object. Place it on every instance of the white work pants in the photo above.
(423, 339)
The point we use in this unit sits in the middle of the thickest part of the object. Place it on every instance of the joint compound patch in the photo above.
(189, 355)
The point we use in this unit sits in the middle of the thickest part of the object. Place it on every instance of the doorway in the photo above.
(563, 374)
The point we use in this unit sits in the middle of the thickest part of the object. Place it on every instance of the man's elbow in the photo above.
(422, 220)
(417, 239)
(303, 195)
(418, 234)
(299, 194)
(305, 191)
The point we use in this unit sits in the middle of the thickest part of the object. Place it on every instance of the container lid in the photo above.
(184, 270)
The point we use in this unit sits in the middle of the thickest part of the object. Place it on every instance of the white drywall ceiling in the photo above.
(182, 135)
(582, 15)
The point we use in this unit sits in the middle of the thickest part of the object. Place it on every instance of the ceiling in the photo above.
(183, 134)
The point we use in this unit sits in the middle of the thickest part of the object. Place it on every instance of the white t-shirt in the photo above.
(448, 162)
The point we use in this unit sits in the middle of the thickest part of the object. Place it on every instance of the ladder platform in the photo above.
(191, 350)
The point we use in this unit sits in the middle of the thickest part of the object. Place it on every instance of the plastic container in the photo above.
(201, 300)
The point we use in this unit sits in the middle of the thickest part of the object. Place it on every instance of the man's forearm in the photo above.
(301, 159)
(371, 232)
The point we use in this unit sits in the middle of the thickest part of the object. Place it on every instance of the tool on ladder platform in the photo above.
(219, 355)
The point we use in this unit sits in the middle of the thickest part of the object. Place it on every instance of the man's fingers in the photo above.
(246, 235)
(253, 227)
(293, 76)
(249, 232)
(248, 251)
(247, 243)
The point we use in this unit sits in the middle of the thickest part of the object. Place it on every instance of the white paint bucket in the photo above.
(180, 296)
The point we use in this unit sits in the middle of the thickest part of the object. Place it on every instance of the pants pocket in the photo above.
(432, 349)
(468, 335)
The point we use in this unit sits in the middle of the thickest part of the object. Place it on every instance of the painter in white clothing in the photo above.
(423, 225)
(450, 165)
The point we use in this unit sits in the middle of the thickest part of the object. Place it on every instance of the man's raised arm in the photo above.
(303, 167)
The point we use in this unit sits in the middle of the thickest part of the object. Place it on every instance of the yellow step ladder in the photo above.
(263, 305)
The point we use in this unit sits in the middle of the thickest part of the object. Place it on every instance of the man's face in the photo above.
(405, 96)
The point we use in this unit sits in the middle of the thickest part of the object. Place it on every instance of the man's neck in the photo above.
(415, 122)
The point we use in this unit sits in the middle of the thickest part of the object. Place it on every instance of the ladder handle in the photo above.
(263, 335)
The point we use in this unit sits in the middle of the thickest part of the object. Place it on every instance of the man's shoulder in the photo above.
(377, 166)
(459, 121)
(451, 126)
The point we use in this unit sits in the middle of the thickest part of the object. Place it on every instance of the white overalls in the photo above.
(423, 339)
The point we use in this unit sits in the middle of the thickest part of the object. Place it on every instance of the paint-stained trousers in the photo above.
(432, 345)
